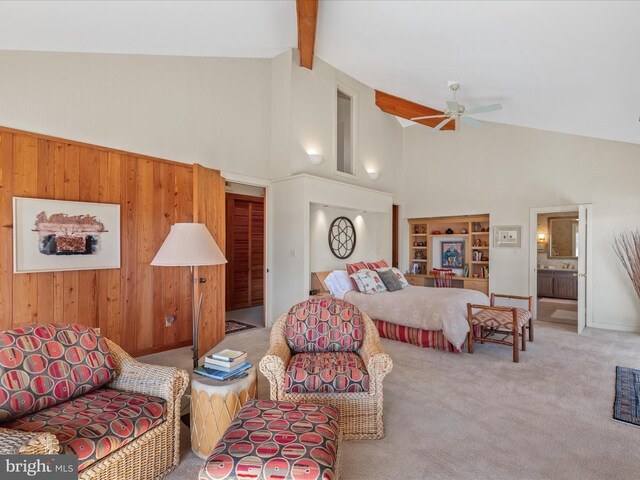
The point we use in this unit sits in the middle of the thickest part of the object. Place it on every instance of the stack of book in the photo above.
(224, 365)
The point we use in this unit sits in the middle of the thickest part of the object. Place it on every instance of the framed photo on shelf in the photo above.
(507, 236)
(452, 254)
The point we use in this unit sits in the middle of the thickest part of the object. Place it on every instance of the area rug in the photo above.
(565, 315)
(626, 407)
(558, 300)
(233, 326)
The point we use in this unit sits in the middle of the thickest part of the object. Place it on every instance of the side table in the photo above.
(214, 404)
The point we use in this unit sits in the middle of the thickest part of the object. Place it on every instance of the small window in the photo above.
(344, 137)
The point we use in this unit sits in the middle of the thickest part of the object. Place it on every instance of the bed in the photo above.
(423, 316)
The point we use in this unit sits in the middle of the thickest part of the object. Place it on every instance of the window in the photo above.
(344, 133)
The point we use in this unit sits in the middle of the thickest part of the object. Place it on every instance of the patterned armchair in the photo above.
(66, 389)
(326, 351)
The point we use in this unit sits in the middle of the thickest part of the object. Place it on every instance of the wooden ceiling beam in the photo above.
(307, 22)
(407, 109)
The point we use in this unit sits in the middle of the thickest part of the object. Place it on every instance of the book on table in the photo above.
(219, 374)
(228, 355)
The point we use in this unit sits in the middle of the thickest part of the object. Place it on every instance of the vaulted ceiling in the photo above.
(563, 66)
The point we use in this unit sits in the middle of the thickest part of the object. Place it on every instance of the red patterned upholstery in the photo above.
(353, 268)
(45, 365)
(329, 372)
(443, 277)
(324, 325)
(96, 424)
(501, 319)
(377, 265)
(277, 440)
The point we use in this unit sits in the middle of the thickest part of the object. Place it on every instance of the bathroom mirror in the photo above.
(563, 237)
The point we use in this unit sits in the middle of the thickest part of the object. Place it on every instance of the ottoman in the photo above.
(278, 440)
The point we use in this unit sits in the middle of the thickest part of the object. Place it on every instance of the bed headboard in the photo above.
(317, 281)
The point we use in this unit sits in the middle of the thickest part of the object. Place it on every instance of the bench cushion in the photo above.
(324, 325)
(45, 365)
(326, 372)
(96, 424)
(277, 440)
(501, 319)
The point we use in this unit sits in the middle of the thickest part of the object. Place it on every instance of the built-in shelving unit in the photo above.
(426, 236)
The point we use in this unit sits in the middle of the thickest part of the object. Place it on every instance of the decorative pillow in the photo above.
(390, 280)
(368, 281)
(398, 274)
(353, 268)
(324, 325)
(45, 365)
(377, 265)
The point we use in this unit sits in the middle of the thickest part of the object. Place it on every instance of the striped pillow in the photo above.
(353, 268)
(377, 265)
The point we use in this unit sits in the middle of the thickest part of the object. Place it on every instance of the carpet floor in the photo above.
(480, 416)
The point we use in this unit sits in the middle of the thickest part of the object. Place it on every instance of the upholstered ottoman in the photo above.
(278, 440)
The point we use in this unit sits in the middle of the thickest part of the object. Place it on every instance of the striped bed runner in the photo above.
(415, 336)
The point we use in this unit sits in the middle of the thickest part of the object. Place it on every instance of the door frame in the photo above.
(585, 265)
(268, 219)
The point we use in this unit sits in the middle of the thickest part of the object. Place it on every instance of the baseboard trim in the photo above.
(617, 328)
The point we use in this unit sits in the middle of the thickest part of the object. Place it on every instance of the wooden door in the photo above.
(245, 240)
(394, 235)
(208, 208)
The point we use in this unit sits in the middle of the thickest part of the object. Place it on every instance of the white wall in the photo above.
(372, 232)
(506, 170)
(212, 111)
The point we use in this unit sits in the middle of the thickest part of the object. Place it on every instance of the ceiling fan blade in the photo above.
(486, 108)
(429, 116)
(471, 121)
(452, 106)
(442, 123)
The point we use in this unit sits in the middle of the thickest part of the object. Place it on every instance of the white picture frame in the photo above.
(60, 235)
(507, 236)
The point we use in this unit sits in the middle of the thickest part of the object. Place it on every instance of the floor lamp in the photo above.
(190, 245)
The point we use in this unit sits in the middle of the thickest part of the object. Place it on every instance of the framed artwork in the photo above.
(55, 235)
(452, 254)
(508, 236)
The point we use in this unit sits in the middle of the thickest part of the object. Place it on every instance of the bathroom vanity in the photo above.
(558, 284)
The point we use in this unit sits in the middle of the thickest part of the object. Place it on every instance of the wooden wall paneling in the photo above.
(109, 307)
(209, 208)
(146, 252)
(6, 232)
(25, 184)
(184, 177)
(128, 304)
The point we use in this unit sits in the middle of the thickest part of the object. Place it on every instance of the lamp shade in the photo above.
(188, 245)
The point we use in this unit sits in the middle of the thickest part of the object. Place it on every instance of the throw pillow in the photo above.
(377, 265)
(368, 281)
(398, 275)
(390, 280)
(353, 268)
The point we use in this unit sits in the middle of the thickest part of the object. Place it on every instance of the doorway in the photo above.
(560, 264)
(245, 270)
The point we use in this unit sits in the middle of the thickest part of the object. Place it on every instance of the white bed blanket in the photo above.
(423, 307)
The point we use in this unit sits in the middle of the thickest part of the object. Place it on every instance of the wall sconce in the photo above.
(373, 175)
(316, 158)
(541, 238)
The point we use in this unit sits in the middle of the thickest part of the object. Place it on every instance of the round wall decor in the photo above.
(342, 237)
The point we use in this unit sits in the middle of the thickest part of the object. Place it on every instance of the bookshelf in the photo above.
(432, 238)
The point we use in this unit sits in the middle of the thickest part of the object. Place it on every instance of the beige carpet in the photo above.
(461, 416)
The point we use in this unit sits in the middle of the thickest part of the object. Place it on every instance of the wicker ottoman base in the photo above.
(282, 440)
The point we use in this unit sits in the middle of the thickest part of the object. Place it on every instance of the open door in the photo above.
(584, 266)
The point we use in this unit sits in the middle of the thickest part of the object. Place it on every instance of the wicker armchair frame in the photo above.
(151, 456)
(360, 413)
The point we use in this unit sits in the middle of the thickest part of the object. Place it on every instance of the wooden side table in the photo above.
(214, 404)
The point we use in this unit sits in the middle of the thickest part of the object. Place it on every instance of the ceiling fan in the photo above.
(457, 111)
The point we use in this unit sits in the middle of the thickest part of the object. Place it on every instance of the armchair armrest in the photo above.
(168, 383)
(27, 443)
(378, 362)
(274, 364)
